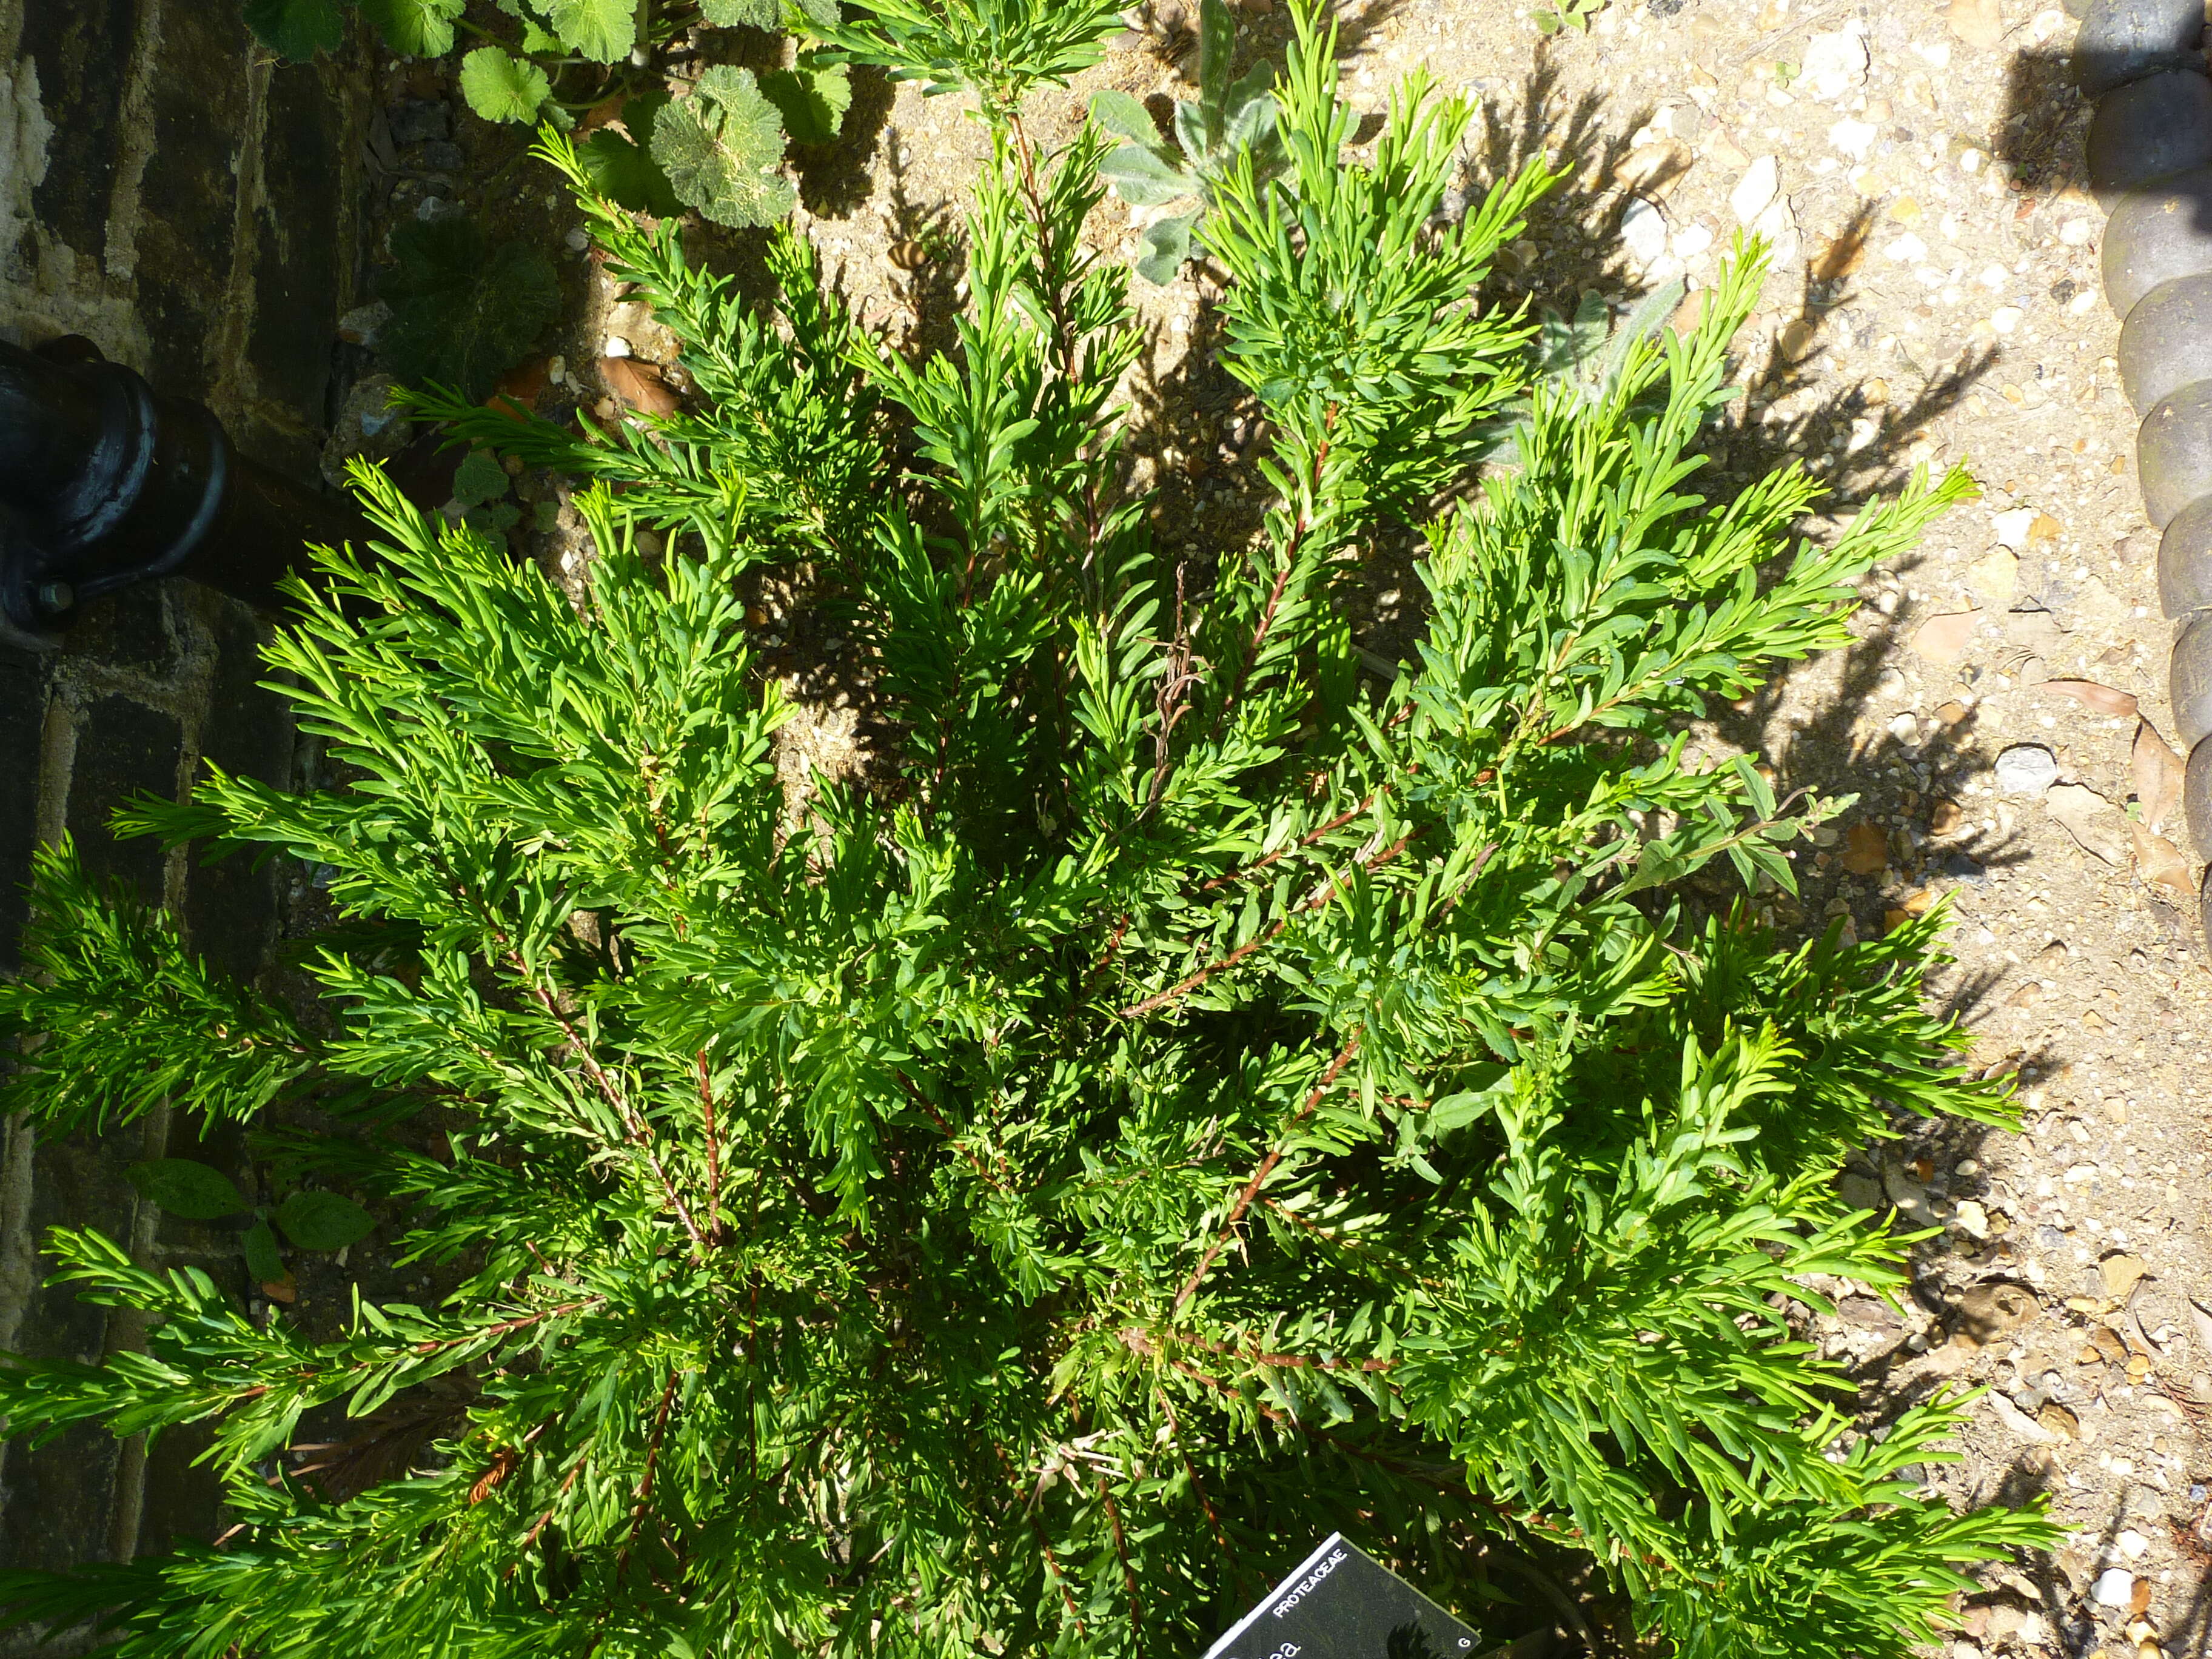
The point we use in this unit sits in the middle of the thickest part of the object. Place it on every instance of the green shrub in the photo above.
(719, 149)
(1190, 1098)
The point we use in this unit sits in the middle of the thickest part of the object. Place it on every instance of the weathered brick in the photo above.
(190, 218)
(123, 749)
(127, 629)
(22, 725)
(231, 905)
(300, 268)
(82, 50)
(57, 1500)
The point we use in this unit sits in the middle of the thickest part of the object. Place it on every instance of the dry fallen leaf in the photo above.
(2099, 699)
(2089, 818)
(2156, 772)
(1943, 639)
(1866, 850)
(2158, 860)
(2121, 1274)
(1980, 23)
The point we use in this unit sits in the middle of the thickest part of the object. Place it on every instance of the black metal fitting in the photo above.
(104, 482)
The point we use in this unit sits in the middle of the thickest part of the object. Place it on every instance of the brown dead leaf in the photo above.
(1980, 23)
(283, 1289)
(2098, 699)
(515, 393)
(2158, 861)
(1943, 639)
(1866, 850)
(2156, 772)
(637, 385)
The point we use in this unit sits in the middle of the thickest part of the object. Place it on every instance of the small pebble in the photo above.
(2026, 769)
(578, 239)
(1642, 231)
(2133, 1544)
(614, 346)
(2116, 1588)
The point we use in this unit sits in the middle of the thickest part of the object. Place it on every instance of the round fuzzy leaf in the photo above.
(1141, 178)
(501, 88)
(1167, 244)
(323, 1221)
(1124, 117)
(601, 29)
(722, 149)
(623, 171)
(296, 29)
(813, 101)
(263, 1258)
(186, 1189)
(416, 28)
(479, 478)
(742, 13)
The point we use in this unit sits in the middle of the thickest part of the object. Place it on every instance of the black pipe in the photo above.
(104, 482)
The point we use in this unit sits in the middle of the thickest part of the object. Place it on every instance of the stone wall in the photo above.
(190, 206)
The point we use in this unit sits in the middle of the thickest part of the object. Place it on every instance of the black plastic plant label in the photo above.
(1339, 1603)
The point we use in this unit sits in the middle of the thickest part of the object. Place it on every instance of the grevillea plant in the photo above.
(1188, 1094)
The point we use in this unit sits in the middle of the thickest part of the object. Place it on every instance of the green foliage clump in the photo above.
(463, 311)
(1188, 1098)
(719, 150)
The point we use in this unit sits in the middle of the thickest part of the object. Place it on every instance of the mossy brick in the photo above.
(124, 749)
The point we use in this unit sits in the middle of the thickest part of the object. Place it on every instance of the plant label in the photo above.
(1339, 1603)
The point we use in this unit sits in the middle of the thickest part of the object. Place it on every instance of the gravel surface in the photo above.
(1936, 301)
